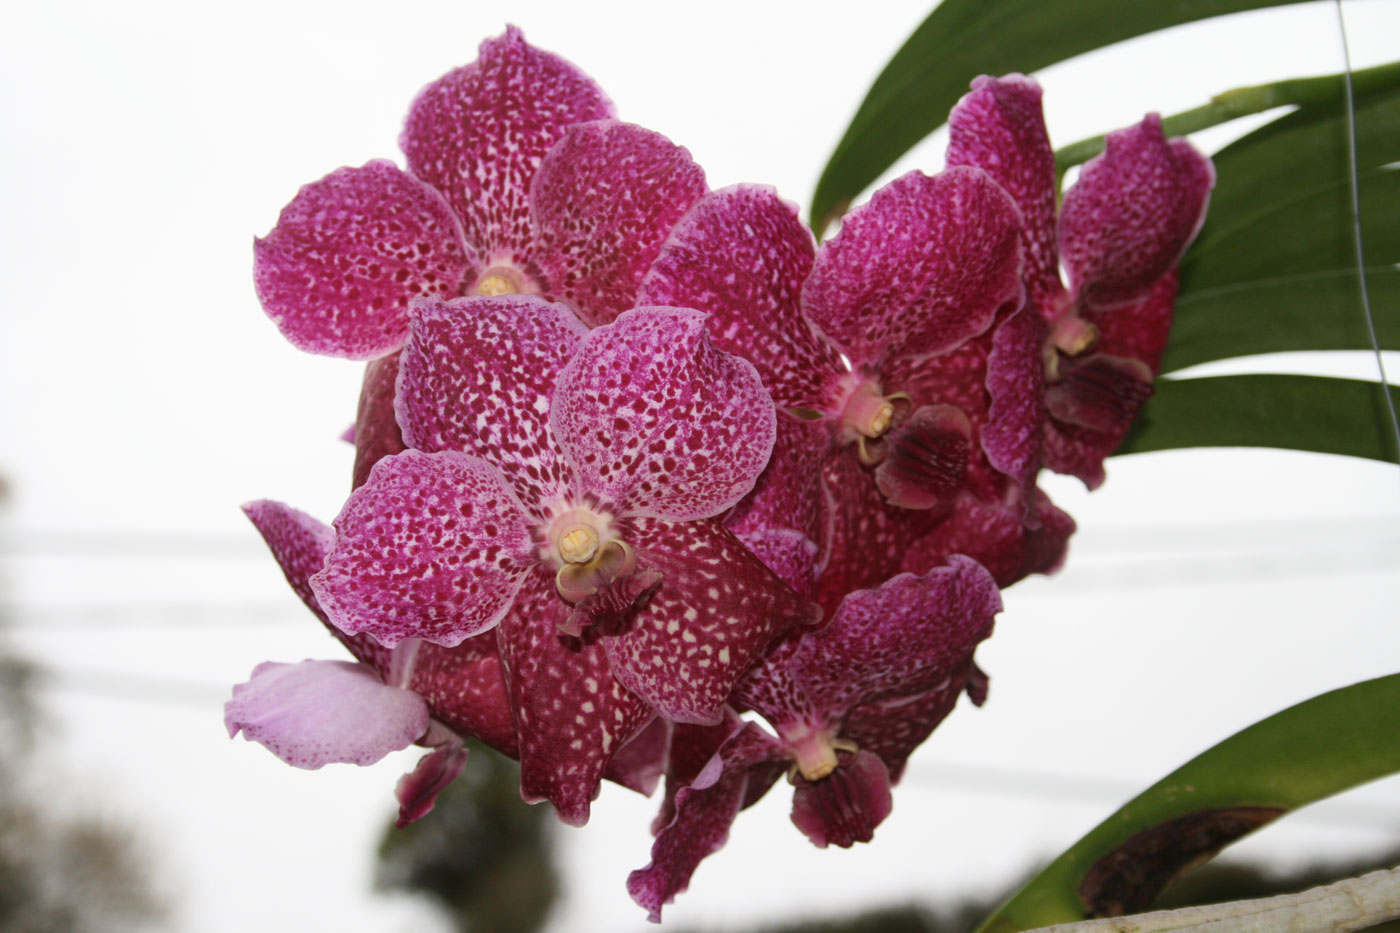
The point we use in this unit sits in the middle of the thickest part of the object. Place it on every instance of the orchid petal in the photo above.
(1011, 438)
(433, 546)
(417, 791)
(465, 688)
(893, 727)
(478, 375)
(702, 814)
(999, 128)
(741, 255)
(715, 612)
(605, 198)
(1132, 214)
(844, 807)
(377, 433)
(639, 764)
(317, 712)
(922, 267)
(789, 554)
(478, 133)
(1004, 537)
(572, 715)
(788, 493)
(656, 420)
(337, 272)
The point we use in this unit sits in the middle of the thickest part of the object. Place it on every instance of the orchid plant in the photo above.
(649, 484)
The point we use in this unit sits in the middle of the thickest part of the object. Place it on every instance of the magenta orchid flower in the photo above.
(317, 712)
(518, 180)
(561, 487)
(1121, 231)
(848, 704)
(903, 337)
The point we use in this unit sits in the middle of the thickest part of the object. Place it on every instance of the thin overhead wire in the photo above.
(1357, 240)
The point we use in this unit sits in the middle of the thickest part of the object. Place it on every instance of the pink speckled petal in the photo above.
(999, 128)
(300, 544)
(316, 712)
(741, 256)
(790, 555)
(789, 493)
(893, 727)
(700, 819)
(845, 807)
(639, 764)
(478, 134)
(465, 688)
(659, 422)
(717, 609)
(605, 198)
(417, 791)
(478, 376)
(337, 272)
(1132, 214)
(377, 433)
(925, 265)
(1011, 438)
(433, 546)
(904, 638)
(1003, 536)
(571, 713)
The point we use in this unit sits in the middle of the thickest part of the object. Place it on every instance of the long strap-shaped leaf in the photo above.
(1313, 750)
(962, 39)
(1274, 267)
(1337, 416)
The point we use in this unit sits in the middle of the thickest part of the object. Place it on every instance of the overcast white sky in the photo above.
(145, 394)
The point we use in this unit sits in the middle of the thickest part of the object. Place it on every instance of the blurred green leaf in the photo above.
(1305, 753)
(1336, 416)
(1274, 267)
(962, 39)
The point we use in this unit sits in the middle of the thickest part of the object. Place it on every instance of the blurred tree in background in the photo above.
(60, 872)
(481, 855)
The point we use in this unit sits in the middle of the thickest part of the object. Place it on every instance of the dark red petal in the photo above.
(925, 458)
(377, 433)
(1002, 535)
(845, 807)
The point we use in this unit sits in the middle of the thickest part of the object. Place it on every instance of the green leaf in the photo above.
(1274, 267)
(1336, 416)
(1310, 751)
(962, 39)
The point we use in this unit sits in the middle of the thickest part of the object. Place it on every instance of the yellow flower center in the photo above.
(578, 544)
(495, 284)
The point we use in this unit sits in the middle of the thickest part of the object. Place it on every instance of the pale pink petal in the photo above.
(571, 713)
(999, 128)
(702, 813)
(922, 267)
(1132, 214)
(317, 712)
(348, 253)
(418, 790)
(715, 612)
(605, 198)
(660, 423)
(478, 376)
(433, 546)
(478, 134)
(741, 256)
(845, 807)
(377, 433)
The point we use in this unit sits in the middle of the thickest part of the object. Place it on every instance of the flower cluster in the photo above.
(649, 484)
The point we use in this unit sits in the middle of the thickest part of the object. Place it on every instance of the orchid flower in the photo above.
(1120, 233)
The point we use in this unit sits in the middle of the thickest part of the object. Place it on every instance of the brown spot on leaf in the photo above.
(1128, 879)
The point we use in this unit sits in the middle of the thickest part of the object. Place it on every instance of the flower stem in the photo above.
(1242, 101)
